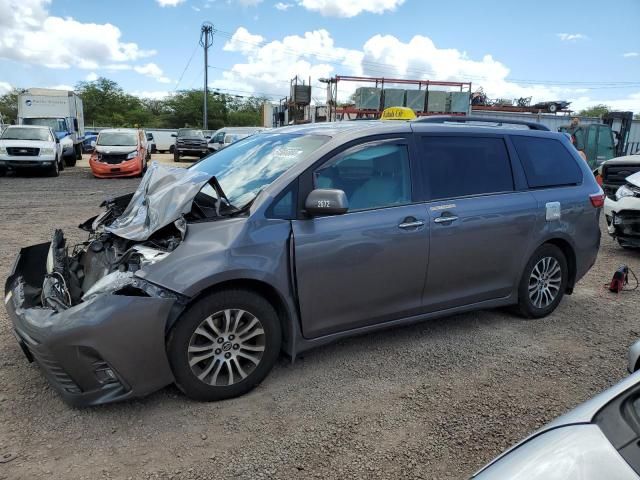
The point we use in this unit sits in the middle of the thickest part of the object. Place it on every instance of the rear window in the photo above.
(461, 166)
(546, 162)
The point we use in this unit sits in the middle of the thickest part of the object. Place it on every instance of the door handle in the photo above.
(413, 224)
(447, 219)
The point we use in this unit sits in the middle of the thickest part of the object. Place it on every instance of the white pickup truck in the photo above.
(33, 147)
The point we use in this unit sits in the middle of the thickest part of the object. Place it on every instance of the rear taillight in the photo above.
(597, 199)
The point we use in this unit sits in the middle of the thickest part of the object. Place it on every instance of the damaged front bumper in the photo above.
(623, 220)
(108, 348)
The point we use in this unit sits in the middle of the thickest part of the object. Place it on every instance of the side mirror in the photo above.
(207, 136)
(93, 144)
(57, 140)
(325, 201)
(174, 135)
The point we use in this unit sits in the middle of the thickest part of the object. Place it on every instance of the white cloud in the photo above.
(245, 3)
(630, 54)
(29, 34)
(283, 6)
(169, 3)
(349, 8)
(268, 66)
(568, 37)
(629, 103)
(152, 70)
(5, 87)
(195, 9)
(152, 94)
(92, 77)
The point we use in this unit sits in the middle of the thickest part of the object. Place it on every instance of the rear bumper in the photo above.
(129, 168)
(75, 347)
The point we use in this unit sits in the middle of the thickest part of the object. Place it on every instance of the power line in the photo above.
(185, 67)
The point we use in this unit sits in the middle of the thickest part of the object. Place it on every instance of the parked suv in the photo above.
(294, 238)
(190, 142)
(23, 146)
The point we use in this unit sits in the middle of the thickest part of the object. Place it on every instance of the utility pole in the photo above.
(206, 40)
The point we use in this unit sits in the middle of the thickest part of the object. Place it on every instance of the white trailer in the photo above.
(59, 109)
(163, 139)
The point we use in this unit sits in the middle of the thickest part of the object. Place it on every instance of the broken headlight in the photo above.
(624, 191)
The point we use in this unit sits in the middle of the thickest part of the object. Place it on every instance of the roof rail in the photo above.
(471, 118)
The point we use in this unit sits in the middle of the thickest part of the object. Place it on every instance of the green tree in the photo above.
(595, 111)
(9, 106)
(107, 105)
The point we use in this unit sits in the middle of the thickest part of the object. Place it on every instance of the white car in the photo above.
(25, 146)
(623, 213)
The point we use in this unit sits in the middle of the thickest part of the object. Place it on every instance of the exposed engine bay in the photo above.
(134, 231)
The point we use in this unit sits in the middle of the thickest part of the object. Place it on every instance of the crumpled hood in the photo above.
(164, 195)
(115, 149)
(634, 179)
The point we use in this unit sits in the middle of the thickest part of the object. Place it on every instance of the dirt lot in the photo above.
(436, 400)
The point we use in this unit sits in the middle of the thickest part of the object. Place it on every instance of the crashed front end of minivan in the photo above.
(622, 213)
(83, 312)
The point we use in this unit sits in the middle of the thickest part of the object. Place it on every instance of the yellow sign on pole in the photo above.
(398, 113)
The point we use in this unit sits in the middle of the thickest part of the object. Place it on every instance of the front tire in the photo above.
(543, 282)
(224, 345)
(54, 169)
(176, 156)
(60, 164)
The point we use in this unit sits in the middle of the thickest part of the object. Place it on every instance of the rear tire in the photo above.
(215, 355)
(543, 282)
(70, 160)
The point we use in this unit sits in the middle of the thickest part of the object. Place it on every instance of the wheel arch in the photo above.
(570, 254)
(265, 290)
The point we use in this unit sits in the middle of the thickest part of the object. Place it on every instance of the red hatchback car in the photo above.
(119, 152)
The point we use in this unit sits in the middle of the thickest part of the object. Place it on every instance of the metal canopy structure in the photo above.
(336, 112)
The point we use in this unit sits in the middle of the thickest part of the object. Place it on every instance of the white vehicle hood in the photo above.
(27, 143)
(115, 149)
(634, 179)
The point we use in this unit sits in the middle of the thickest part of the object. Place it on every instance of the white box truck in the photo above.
(59, 109)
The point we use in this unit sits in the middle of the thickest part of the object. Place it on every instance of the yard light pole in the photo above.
(206, 40)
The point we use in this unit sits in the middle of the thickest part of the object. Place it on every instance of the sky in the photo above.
(584, 51)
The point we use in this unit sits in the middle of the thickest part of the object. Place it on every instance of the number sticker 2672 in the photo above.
(324, 203)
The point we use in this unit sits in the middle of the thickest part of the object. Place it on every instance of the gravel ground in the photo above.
(436, 400)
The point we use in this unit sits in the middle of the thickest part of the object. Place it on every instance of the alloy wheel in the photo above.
(226, 347)
(544, 282)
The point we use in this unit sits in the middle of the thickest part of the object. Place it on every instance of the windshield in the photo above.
(235, 137)
(117, 139)
(56, 124)
(248, 166)
(17, 133)
(190, 133)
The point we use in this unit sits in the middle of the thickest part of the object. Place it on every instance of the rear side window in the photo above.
(461, 166)
(546, 162)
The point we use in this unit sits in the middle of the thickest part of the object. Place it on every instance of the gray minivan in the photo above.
(295, 237)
